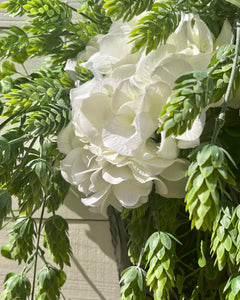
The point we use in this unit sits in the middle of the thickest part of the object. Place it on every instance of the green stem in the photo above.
(37, 249)
(11, 118)
(25, 70)
(82, 14)
(221, 118)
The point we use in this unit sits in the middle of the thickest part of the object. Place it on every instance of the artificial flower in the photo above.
(114, 154)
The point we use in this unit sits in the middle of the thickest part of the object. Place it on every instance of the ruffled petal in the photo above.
(128, 193)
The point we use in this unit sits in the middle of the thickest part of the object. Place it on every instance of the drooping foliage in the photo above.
(179, 249)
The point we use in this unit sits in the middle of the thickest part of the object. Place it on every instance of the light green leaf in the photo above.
(234, 2)
(8, 68)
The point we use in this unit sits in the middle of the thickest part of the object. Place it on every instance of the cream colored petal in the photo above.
(190, 138)
(115, 175)
(168, 147)
(94, 112)
(176, 171)
(155, 97)
(129, 193)
(171, 68)
(67, 139)
(225, 36)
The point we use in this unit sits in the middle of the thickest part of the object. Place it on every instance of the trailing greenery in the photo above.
(35, 107)
(179, 248)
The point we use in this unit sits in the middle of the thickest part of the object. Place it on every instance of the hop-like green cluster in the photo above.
(232, 288)
(57, 241)
(159, 250)
(193, 94)
(133, 284)
(16, 286)
(21, 239)
(207, 175)
(49, 282)
(223, 239)
(236, 223)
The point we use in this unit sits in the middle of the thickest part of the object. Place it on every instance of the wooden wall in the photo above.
(93, 273)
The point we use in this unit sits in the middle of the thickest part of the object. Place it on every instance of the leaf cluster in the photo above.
(206, 177)
(49, 282)
(21, 242)
(163, 17)
(16, 286)
(56, 240)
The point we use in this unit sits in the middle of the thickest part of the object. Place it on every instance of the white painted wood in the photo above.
(93, 273)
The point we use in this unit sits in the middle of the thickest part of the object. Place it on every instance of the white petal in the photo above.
(67, 139)
(171, 68)
(160, 187)
(128, 193)
(112, 45)
(200, 35)
(123, 71)
(190, 138)
(175, 189)
(176, 171)
(148, 63)
(96, 198)
(126, 91)
(94, 112)
(155, 98)
(116, 134)
(70, 68)
(225, 35)
(115, 175)
(168, 147)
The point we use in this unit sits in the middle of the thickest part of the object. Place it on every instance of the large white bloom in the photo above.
(113, 154)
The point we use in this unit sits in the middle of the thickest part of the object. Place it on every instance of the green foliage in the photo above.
(94, 10)
(133, 284)
(236, 223)
(223, 239)
(82, 73)
(56, 240)
(51, 15)
(136, 229)
(57, 192)
(207, 175)
(14, 7)
(5, 205)
(126, 9)
(13, 44)
(232, 288)
(156, 27)
(160, 252)
(21, 242)
(36, 108)
(16, 286)
(194, 91)
(49, 282)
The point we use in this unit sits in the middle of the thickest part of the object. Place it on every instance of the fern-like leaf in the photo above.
(156, 27)
(126, 9)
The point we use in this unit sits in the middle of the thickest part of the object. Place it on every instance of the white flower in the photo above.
(113, 153)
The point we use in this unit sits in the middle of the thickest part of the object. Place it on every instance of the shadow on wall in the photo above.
(74, 211)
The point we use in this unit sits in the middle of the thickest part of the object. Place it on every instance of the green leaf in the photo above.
(5, 205)
(234, 2)
(6, 252)
(8, 68)
(202, 259)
